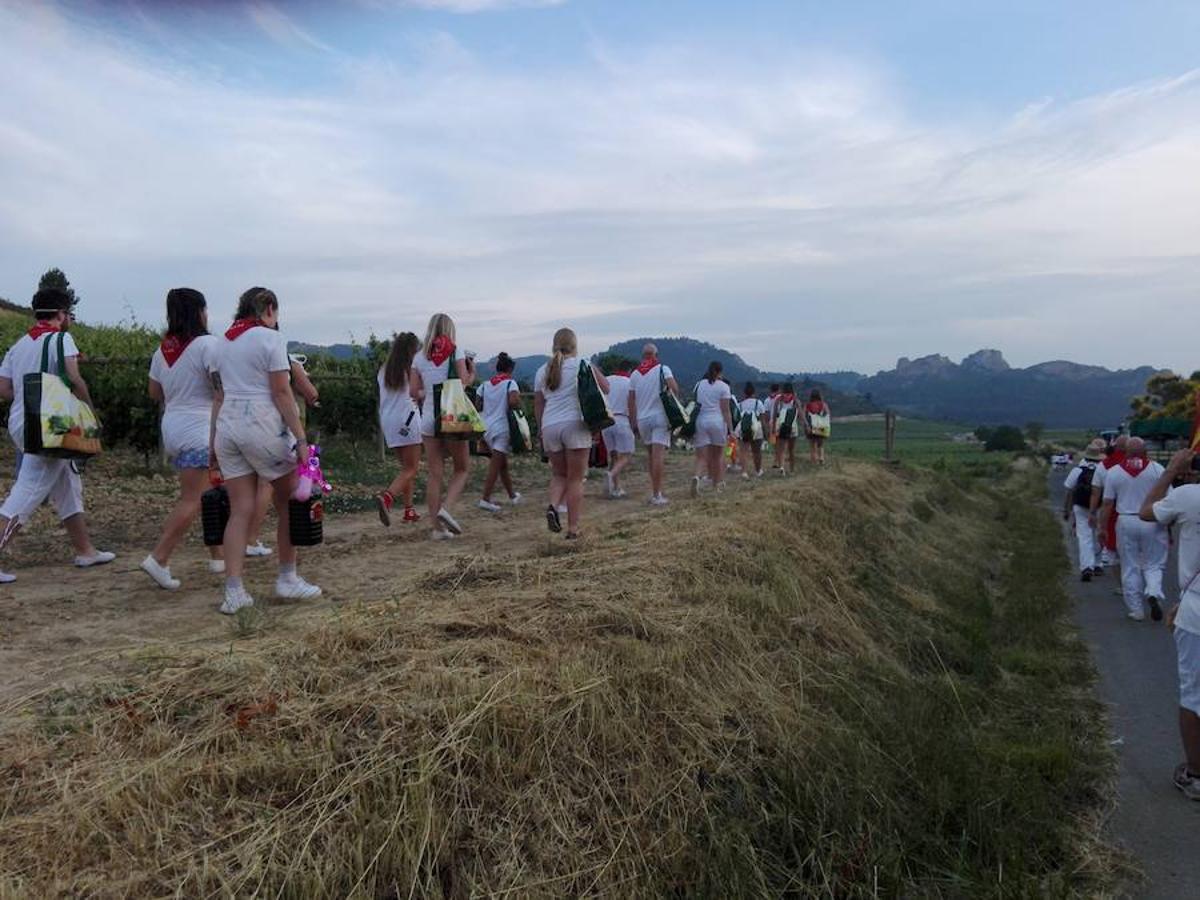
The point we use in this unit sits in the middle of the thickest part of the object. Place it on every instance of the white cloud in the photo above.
(465, 6)
(790, 207)
(279, 27)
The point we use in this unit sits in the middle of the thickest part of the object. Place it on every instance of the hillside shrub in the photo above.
(1005, 437)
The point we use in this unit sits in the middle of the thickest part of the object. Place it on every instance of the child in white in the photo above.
(618, 437)
(500, 394)
(713, 425)
(180, 380)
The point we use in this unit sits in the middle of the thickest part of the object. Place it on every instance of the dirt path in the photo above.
(60, 625)
(1138, 681)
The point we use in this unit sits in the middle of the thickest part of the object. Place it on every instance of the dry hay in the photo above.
(583, 722)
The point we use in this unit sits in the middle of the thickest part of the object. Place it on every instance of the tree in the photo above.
(1006, 437)
(57, 278)
(609, 362)
(983, 433)
(1168, 396)
(1034, 431)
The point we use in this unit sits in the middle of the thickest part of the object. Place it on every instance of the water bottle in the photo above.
(214, 514)
(306, 521)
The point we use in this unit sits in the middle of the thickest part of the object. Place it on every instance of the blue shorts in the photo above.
(1187, 647)
(191, 459)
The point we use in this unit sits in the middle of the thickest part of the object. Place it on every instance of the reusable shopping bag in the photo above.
(751, 426)
(693, 415)
(455, 415)
(519, 436)
(786, 425)
(592, 402)
(676, 415)
(57, 423)
(818, 424)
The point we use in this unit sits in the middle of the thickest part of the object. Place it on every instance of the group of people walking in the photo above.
(1122, 505)
(233, 412)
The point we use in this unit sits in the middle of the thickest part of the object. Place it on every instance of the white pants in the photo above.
(44, 478)
(1143, 550)
(1086, 538)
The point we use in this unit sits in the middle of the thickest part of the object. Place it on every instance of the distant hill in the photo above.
(985, 390)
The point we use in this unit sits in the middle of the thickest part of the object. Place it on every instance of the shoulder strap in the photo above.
(62, 359)
(45, 367)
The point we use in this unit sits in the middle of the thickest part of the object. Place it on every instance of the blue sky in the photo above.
(814, 185)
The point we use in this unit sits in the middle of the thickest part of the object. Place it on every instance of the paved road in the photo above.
(1136, 661)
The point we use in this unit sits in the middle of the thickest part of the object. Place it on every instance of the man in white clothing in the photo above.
(648, 417)
(1077, 507)
(43, 478)
(1141, 545)
(1182, 506)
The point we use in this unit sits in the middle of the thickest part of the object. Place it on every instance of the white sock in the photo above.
(287, 570)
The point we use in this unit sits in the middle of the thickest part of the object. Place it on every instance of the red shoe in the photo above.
(383, 500)
(411, 515)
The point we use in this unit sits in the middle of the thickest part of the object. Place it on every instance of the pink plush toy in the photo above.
(311, 478)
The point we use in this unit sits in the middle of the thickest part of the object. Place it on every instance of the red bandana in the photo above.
(647, 365)
(621, 373)
(240, 327)
(816, 407)
(785, 399)
(42, 328)
(1134, 465)
(441, 349)
(1114, 459)
(172, 348)
(500, 376)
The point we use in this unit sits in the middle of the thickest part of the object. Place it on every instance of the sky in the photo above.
(813, 185)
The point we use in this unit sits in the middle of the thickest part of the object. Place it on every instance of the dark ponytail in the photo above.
(505, 364)
(399, 361)
(714, 371)
(185, 313)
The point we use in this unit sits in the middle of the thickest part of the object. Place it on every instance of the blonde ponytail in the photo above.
(564, 345)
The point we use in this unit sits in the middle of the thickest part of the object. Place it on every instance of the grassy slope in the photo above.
(826, 690)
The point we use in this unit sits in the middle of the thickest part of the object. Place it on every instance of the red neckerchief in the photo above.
(1114, 459)
(620, 372)
(1134, 465)
(172, 348)
(647, 364)
(440, 349)
(787, 399)
(42, 328)
(240, 327)
(815, 406)
(500, 377)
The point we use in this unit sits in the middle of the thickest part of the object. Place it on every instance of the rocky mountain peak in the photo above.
(989, 360)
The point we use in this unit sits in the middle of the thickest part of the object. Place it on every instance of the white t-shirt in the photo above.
(709, 396)
(495, 404)
(1182, 505)
(1074, 475)
(22, 358)
(186, 386)
(646, 389)
(394, 405)
(1128, 492)
(1098, 477)
(562, 403)
(618, 395)
(751, 405)
(246, 362)
(431, 375)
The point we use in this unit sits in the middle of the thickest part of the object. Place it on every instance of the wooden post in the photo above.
(889, 436)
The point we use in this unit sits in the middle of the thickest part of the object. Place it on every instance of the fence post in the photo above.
(889, 436)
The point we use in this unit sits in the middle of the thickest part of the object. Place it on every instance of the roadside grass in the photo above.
(854, 684)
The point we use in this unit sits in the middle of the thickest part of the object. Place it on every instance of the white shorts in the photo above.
(709, 433)
(566, 436)
(1187, 649)
(618, 437)
(252, 440)
(402, 432)
(185, 438)
(44, 478)
(654, 430)
(499, 441)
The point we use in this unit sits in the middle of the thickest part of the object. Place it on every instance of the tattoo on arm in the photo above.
(215, 378)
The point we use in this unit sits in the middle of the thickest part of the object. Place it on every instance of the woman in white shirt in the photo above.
(430, 370)
(788, 419)
(618, 437)
(713, 425)
(566, 439)
(500, 394)
(180, 381)
(257, 436)
(751, 426)
(400, 424)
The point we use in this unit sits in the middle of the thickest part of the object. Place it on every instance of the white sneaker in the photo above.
(160, 573)
(6, 578)
(439, 535)
(515, 499)
(489, 506)
(235, 600)
(659, 500)
(449, 521)
(746, 475)
(99, 558)
(258, 550)
(1136, 616)
(293, 587)
(695, 485)
(621, 494)
(216, 566)
(758, 474)
(562, 510)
